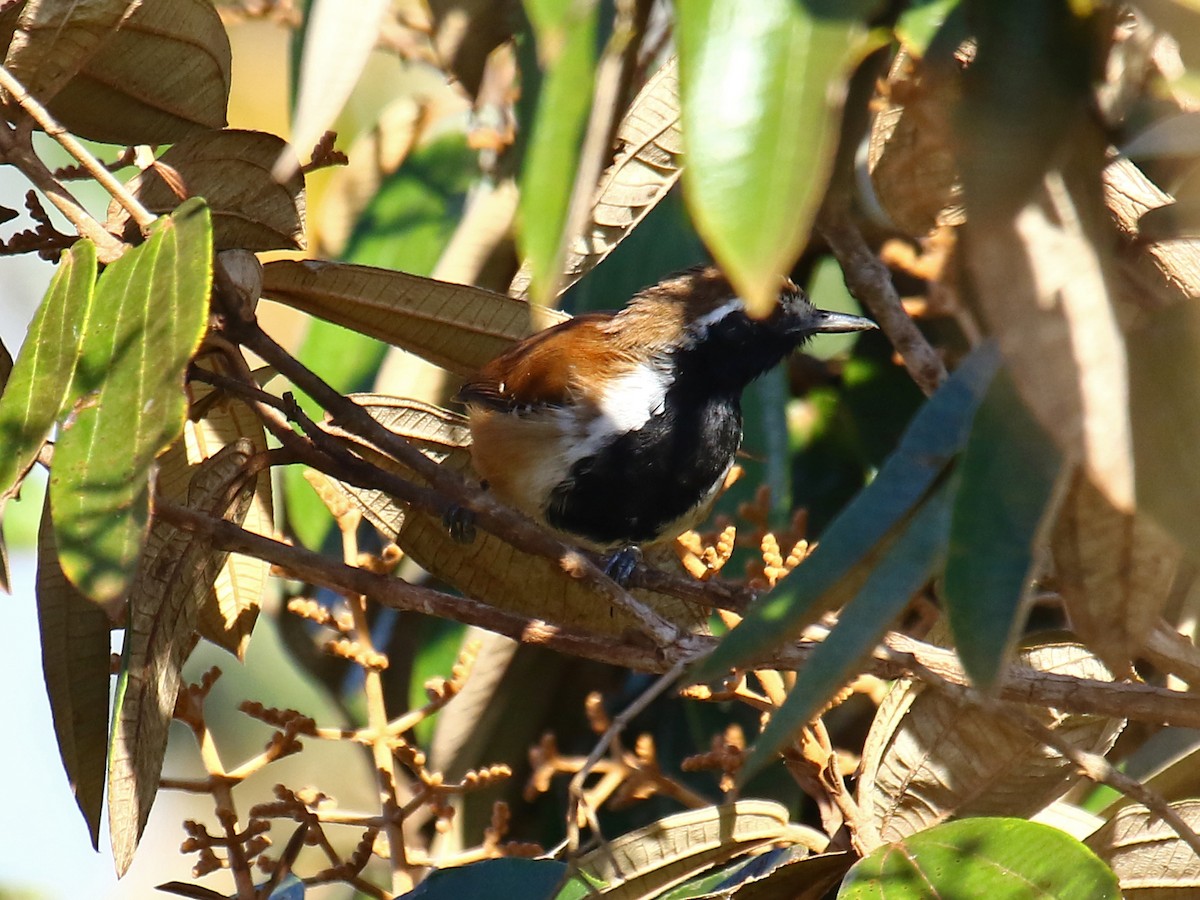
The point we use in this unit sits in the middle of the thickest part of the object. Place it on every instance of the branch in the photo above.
(68, 142)
(1020, 684)
(869, 280)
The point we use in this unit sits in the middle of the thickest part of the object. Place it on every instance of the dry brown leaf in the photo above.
(54, 39)
(162, 75)
(911, 157)
(1150, 860)
(644, 170)
(488, 569)
(177, 569)
(454, 326)
(1114, 571)
(231, 170)
(928, 758)
(75, 664)
(228, 612)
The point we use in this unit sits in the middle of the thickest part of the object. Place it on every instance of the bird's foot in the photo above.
(621, 565)
(460, 523)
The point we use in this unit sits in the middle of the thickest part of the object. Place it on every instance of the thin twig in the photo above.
(108, 248)
(619, 723)
(95, 168)
(869, 280)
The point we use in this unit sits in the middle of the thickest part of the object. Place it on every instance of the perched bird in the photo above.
(618, 429)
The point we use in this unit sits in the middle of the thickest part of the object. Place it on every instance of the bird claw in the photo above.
(460, 523)
(621, 565)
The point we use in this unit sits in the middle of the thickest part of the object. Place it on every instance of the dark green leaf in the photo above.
(993, 858)
(1006, 478)
(75, 664)
(529, 879)
(1027, 90)
(838, 565)
(762, 88)
(566, 42)
(38, 388)
(908, 562)
(150, 311)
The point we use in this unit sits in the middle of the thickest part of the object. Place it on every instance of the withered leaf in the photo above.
(231, 169)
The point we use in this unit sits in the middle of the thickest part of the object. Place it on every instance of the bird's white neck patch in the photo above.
(626, 404)
(699, 327)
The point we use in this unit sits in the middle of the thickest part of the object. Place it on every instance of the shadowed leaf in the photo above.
(907, 563)
(998, 533)
(164, 74)
(75, 663)
(56, 38)
(836, 569)
(177, 570)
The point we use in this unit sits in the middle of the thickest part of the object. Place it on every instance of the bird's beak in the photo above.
(824, 322)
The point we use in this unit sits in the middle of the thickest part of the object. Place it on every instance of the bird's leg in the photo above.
(622, 563)
(460, 523)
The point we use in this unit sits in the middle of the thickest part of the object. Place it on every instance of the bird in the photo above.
(618, 430)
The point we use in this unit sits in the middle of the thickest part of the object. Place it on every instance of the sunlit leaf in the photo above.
(1150, 860)
(151, 309)
(997, 539)
(38, 388)
(336, 47)
(982, 858)
(763, 85)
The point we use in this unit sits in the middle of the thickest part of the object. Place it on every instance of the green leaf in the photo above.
(1164, 402)
(566, 42)
(993, 858)
(839, 564)
(527, 878)
(75, 664)
(762, 87)
(909, 561)
(1007, 476)
(38, 388)
(150, 312)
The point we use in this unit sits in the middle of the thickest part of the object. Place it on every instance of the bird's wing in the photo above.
(543, 371)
